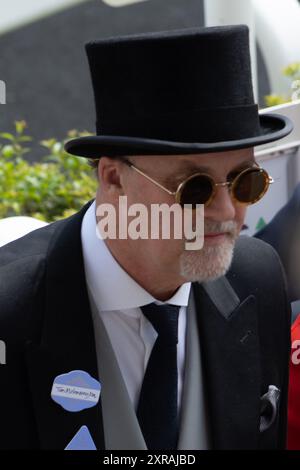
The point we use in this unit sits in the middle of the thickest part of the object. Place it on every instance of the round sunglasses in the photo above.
(247, 187)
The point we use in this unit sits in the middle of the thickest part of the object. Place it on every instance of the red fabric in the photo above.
(294, 390)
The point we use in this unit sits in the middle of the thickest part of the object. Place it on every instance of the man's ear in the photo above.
(110, 175)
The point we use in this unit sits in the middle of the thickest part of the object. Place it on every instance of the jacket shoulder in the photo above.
(22, 269)
(255, 261)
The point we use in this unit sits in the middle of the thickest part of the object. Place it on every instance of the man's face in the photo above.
(223, 217)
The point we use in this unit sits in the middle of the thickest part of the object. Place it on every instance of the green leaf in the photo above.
(6, 135)
(20, 126)
(24, 138)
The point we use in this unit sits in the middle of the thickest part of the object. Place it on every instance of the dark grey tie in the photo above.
(157, 408)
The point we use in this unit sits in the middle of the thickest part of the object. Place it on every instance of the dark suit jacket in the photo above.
(45, 321)
(283, 233)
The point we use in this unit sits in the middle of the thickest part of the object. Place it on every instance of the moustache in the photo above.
(231, 227)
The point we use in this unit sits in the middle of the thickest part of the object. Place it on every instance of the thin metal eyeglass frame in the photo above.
(230, 184)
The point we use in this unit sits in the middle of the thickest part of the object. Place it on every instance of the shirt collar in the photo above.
(111, 286)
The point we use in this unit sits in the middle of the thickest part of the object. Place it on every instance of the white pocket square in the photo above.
(269, 405)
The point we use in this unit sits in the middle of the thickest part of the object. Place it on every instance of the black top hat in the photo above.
(175, 92)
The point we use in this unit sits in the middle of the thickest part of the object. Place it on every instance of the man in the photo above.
(283, 233)
(136, 343)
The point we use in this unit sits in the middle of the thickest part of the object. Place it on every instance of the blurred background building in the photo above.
(43, 61)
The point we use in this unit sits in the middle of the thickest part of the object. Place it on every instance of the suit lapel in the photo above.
(67, 340)
(230, 351)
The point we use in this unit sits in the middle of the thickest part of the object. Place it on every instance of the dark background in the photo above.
(45, 69)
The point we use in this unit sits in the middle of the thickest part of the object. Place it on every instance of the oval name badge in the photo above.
(75, 390)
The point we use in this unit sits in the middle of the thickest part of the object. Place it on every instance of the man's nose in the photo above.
(222, 207)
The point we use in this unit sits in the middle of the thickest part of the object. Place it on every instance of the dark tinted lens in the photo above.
(196, 191)
(250, 186)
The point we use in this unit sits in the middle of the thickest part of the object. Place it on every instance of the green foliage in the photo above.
(292, 72)
(49, 190)
(274, 100)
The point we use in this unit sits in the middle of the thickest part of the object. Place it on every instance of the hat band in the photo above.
(200, 125)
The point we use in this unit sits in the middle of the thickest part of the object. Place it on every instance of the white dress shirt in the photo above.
(118, 298)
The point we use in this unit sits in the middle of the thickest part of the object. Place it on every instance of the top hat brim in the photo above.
(272, 127)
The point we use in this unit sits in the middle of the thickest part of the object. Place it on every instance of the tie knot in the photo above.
(164, 318)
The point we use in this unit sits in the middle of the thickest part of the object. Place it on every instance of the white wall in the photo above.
(277, 24)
